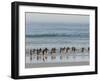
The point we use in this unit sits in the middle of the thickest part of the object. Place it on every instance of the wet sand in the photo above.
(28, 65)
(71, 58)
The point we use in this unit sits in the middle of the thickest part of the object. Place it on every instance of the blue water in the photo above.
(57, 35)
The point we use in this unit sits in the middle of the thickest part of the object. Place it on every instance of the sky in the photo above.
(55, 18)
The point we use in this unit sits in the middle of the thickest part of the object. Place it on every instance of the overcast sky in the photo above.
(56, 18)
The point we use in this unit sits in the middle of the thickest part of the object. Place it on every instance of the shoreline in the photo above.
(28, 65)
(66, 49)
(44, 57)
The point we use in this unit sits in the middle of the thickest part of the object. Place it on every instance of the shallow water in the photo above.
(71, 56)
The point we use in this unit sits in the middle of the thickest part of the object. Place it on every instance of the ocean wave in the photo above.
(59, 35)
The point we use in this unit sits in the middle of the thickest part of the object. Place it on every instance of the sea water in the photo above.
(57, 35)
